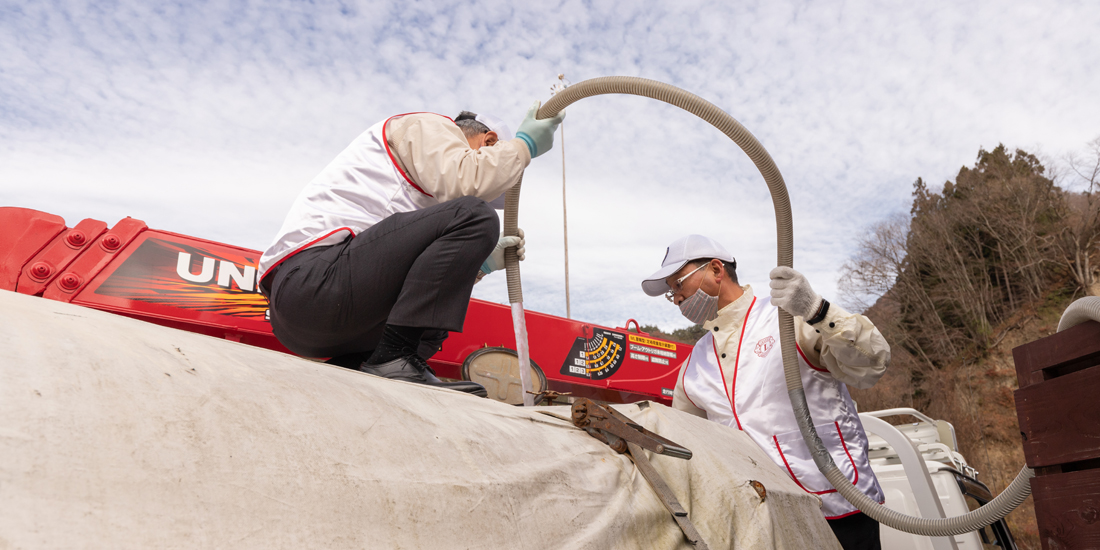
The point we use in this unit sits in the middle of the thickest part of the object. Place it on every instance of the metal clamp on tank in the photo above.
(627, 437)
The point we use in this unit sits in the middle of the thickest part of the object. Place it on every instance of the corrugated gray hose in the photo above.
(1084, 309)
(991, 512)
(511, 229)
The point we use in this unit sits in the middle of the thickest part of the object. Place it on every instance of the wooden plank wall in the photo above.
(1058, 405)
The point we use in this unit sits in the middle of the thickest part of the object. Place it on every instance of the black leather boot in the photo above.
(412, 368)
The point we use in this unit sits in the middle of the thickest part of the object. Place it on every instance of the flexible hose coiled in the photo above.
(1084, 309)
(996, 509)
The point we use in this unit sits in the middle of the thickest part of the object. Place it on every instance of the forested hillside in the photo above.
(984, 265)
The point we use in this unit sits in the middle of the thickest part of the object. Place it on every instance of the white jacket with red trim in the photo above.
(735, 377)
(402, 164)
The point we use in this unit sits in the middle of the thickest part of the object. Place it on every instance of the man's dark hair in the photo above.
(470, 127)
(731, 267)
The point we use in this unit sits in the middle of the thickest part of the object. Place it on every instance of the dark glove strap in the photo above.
(820, 313)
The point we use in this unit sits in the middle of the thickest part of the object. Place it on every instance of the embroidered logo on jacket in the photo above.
(764, 346)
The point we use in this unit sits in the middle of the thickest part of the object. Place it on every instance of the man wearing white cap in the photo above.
(378, 256)
(735, 373)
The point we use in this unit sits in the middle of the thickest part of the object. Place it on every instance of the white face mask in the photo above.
(700, 307)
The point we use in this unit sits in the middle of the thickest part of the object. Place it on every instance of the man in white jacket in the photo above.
(378, 256)
(735, 373)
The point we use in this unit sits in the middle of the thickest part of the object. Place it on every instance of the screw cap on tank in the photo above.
(70, 281)
(110, 242)
(41, 271)
(76, 238)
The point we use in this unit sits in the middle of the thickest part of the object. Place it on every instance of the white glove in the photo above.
(495, 261)
(791, 291)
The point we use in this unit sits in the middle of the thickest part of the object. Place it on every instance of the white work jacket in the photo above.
(381, 174)
(735, 376)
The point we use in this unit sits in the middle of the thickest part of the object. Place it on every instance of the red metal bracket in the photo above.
(23, 234)
(48, 264)
(89, 264)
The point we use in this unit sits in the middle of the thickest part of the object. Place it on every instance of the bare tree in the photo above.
(1082, 230)
(879, 257)
(968, 265)
(964, 259)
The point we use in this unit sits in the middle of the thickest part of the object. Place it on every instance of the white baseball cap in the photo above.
(692, 247)
(504, 133)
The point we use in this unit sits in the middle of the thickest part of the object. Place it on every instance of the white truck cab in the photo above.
(923, 474)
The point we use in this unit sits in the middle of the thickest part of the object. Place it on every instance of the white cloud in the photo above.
(208, 118)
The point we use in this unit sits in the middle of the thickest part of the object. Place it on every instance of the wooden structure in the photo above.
(1058, 405)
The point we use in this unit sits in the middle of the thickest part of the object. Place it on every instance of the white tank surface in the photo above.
(115, 433)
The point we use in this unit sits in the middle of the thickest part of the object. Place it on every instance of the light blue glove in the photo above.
(495, 261)
(539, 134)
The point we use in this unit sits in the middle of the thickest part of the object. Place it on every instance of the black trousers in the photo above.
(413, 269)
(856, 532)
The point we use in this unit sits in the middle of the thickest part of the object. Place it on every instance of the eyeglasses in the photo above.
(677, 288)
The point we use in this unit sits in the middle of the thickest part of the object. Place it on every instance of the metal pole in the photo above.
(560, 86)
(565, 223)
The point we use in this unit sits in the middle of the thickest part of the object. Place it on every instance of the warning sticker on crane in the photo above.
(597, 357)
(652, 342)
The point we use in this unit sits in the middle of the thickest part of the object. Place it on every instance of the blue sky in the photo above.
(208, 118)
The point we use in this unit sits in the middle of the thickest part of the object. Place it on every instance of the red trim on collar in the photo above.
(732, 392)
(783, 457)
(722, 373)
(842, 516)
(393, 159)
(683, 385)
(305, 246)
(845, 445)
(795, 478)
(852, 513)
(811, 365)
